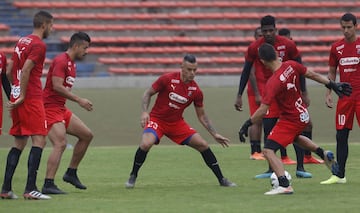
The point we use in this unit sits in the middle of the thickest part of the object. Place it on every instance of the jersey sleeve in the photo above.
(294, 51)
(333, 62)
(159, 83)
(37, 53)
(251, 53)
(59, 69)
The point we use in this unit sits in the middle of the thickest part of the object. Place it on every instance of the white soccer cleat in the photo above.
(280, 190)
(36, 195)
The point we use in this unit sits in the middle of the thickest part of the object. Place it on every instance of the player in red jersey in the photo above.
(283, 87)
(308, 158)
(26, 105)
(287, 50)
(345, 56)
(175, 92)
(60, 119)
(4, 83)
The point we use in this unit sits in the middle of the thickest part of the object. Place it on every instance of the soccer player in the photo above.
(60, 119)
(308, 158)
(254, 100)
(286, 50)
(26, 105)
(283, 87)
(345, 55)
(4, 83)
(175, 92)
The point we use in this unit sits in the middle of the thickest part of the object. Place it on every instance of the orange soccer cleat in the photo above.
(287, 161)
(257, 156)
(309, 159)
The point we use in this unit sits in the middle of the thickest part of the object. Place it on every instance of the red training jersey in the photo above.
(284, 88)
(286, 50)
(346, 57)
(174, 96)
(31, 48)
(62, 66)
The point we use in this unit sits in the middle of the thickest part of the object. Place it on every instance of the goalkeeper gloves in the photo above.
(244, 130)
(341, 88)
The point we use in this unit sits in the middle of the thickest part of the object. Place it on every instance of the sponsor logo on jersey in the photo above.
(191, 88)
(173, 106)
(287, 72)
(349, 61)
(282, 47)
(350, 70)
(340, 47)
(177, 98)
(175, 81)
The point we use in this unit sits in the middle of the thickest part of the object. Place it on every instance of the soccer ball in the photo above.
(274, 179)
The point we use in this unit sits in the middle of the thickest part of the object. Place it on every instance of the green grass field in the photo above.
(175, 178)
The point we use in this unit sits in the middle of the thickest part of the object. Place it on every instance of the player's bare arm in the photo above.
(145, 102)
(58, 86)
(206, 122)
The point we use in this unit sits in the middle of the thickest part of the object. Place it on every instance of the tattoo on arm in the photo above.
(209, 125)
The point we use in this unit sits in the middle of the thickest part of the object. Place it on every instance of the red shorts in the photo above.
(284, 132)
(180, 132)
(29, 119)
(345, 110)
(56, 115)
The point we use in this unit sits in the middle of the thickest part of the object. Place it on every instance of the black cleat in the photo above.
(131, 182)
(225, 182)
(52, 189)
(74, 180)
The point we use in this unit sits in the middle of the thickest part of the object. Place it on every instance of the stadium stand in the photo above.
(148, 37)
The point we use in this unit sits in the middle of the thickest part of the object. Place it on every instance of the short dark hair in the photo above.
(267, 52)
(41, 18)
(349, 17)
(190, 58)
(284, 32)
(78, 37)
(267, 20)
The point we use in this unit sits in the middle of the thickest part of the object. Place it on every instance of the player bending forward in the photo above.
(284, 88)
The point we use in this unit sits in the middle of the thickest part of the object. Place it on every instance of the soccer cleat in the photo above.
(287, 161)
(74, 180)
(257, 156)
(280, 190)
(225, 182)
(52, 189)
(263, 175)
(8, 195)
(309, 159)
(303, 174)
(35, 195)
(131, 182)
(333, 180)
(330, 162)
